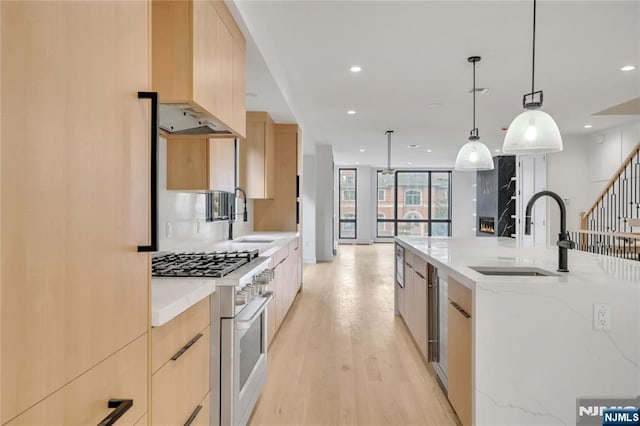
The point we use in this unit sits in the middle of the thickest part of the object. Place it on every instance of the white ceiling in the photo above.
(414, 54)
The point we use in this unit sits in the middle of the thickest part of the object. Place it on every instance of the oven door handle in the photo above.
(244, 324)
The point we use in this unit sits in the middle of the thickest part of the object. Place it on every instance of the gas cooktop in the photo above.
(213, 264)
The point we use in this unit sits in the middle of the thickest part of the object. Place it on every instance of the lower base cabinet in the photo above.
(459, 350)
(84, 401)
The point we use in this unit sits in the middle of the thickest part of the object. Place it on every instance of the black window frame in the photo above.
(429, 220)
(355, 202)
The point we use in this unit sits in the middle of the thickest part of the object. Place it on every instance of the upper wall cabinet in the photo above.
(257, 165)
(200, 164)
(198, 67)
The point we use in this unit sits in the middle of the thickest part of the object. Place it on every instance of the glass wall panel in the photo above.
(348, 180)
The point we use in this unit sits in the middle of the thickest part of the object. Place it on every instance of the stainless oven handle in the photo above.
(245, 324)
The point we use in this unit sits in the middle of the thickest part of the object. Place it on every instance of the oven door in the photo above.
(244, 361)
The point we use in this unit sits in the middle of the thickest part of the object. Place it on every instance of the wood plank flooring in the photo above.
(341, 357)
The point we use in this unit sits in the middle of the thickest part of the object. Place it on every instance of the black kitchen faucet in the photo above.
(564, 243)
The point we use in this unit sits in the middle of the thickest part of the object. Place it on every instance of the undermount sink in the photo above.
(253, 241)
(518, 271)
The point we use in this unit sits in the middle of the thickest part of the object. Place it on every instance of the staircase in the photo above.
(608, 226)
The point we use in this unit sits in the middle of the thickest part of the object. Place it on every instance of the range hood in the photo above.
(184, 119)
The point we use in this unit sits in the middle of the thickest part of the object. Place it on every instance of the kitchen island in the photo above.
(534, 348)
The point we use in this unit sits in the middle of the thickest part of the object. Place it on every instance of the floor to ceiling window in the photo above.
(347, 203)
(414, 203)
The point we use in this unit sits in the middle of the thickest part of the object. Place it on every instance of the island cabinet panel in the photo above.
(459, 327)
(84, 401)
(200, 164)
(257, 156)
(199, 59)
(75, 203)
(409, 278)
(419, 326)
(272, 309)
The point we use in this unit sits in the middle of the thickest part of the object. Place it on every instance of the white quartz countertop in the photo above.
(457, 255)
(172, 296)
(536, 344)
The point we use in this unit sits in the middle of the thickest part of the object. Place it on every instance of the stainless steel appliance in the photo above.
(437, 323)
(238, 325)
(399, 265)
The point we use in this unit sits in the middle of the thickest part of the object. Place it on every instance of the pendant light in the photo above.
(533, 131)
(388, 170)
(474, 155)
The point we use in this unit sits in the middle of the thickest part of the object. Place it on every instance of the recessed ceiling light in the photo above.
(351, 112)
(497, 150)
(628, 68)
(409, 163)
(588, 126)
(429, 150)
(413, 145)
(361, 149)
(434, 105)
(357, 162)
(355, 68)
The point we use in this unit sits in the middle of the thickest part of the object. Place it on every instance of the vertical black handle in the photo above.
(154, 170)
(297, 212)
(297, 186)
(121, 406)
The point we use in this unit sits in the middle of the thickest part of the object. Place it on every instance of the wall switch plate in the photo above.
(601, 316)
(168, 230)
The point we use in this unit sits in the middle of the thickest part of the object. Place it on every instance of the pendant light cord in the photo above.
(474, 95)
(533, 62)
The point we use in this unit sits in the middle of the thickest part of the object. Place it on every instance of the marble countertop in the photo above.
(172, 296)
(535, 346)
(457, 255)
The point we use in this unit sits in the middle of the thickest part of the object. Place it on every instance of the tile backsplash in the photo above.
(182, 214)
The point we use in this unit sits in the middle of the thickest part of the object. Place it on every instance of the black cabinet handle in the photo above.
(186, 347)
(193, 415)
(297, 186)
(121, 406)
(459, 309)
(297, 212)
(419, 274)
(154, 170)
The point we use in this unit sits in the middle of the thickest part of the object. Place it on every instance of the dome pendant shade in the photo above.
(532, 132)
(474, 155)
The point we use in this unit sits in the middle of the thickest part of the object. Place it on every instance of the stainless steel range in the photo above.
(238, 324)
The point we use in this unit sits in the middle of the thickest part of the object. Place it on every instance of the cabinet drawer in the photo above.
(169, 338)
(144, 421)
(123, 375)
(178, 387)
(460, 294)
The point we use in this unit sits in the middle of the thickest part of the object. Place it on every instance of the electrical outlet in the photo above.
(601, 316)
(168, 230)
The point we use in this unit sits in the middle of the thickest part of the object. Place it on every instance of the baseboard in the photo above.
(311, 260)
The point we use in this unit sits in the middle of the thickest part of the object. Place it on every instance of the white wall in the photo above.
(324, 202)
(185, 213)
(309, 183)
(567, 175)
(463, 204)
(607, 150)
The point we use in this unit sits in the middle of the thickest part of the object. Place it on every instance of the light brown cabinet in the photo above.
(459, 327)
(285, 285)
(75, 195)
(200, 164)
(199, 60)
(282, 213)
(180, 363)
(257, 156)
(84, 400)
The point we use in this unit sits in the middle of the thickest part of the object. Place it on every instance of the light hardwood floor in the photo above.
(341, 357)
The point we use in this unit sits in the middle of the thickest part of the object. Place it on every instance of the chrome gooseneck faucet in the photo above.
(232, 216)
(564, 244)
